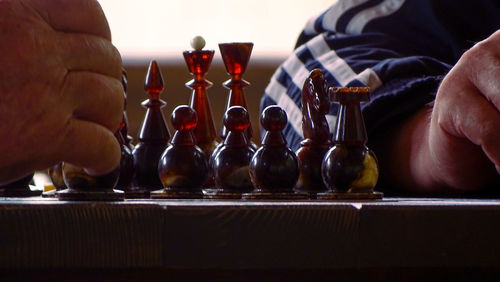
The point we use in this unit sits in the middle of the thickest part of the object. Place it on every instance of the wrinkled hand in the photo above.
(464, 132)
(61, 97)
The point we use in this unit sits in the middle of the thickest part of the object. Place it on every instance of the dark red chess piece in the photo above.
(315, 105)
(235, 57)
(274, 168)
(198, 62)
(350, 169)
(84, 187)
(126, 169)
(153, 137)
(230, 164)
(19, 188)
(183, 167)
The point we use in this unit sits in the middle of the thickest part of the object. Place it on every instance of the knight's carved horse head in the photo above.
(315, 105)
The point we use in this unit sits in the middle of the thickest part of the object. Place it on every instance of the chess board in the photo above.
(304, 239)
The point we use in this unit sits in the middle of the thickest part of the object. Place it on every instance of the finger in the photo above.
(476, 119)
(95, 97)
(482, 67)
(90, 146)
(88, 53)
(77, 16)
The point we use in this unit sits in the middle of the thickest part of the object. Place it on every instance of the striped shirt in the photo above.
(401, 49)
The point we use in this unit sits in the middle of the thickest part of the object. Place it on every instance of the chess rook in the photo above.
(274, 168)
(183, 167)
(316, 143)
(153, 136)
(350, 169)
(230, 163)
(235, 57)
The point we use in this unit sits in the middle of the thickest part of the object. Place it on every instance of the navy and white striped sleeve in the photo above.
(401, 49)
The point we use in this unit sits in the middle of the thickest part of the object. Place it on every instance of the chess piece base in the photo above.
(19, 192)
(50, 194)
(137, 194)
(217, 194)
(275, 196)
(78, 195)
(350, 196)
(176, 194)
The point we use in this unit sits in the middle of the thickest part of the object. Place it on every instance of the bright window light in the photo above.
(163, 28)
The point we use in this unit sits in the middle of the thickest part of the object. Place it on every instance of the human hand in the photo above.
(464, 131)
(61, 96)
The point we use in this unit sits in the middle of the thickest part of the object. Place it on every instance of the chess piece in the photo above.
(84, 187)
(230, 164)
(198, 62)
(315, 105)
(19, 188)
(124, 126)
(235, 57)
(126, 169)
(183, 167)
(153, 137)
(274, 168)
(55, 174)
(350, 169)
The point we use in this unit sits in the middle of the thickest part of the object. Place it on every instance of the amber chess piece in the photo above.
(235, 57)
(315, 105)
(350, 169)
(19, 188)
(230, 164)
(198, 62)
(153, 137)
(274, 168)
(183, 167)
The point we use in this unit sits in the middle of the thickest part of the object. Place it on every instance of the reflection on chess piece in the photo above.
(19, 188)
(183, 167)
(198, 62)
(235, 57)
(274, 168)
(153, 137)
(230, 164)
(350, 169)
(315, 105)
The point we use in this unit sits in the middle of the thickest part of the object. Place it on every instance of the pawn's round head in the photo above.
(236, 118)
(273, 118)
(184, 118)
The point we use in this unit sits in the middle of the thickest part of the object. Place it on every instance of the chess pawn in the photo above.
(235, 57)
(126, 168)
(350, 169)
(19, 188)
(183, 167)
(274, 168)
(316, 143)
(153, 137)
(230, 164)
(198, 62)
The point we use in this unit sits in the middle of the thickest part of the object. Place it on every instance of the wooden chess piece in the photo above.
(274, 168)
(235, 57)
(316, 143)
(350, 169)
(126, 169)
(153, 137)
(198, 62)
(19, 188)
(230, 164)
(183, 167)
(124, 126)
